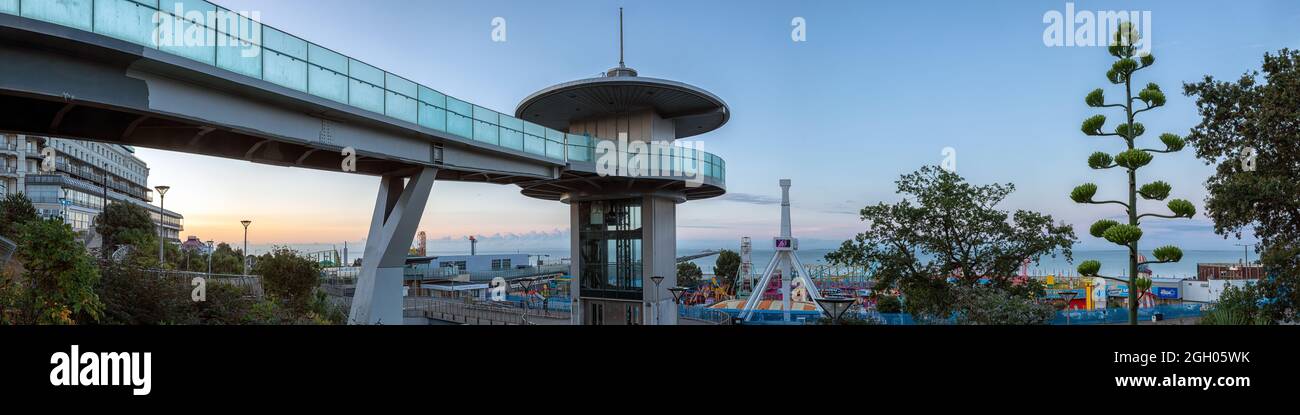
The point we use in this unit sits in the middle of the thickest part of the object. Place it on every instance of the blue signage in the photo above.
(1166, 292)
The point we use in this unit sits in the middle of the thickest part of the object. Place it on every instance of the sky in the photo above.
(876, 89)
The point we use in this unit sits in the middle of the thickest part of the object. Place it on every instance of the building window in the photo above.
(501, 264)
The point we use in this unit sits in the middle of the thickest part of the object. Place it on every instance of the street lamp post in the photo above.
(678, 293)
(210, 258)
(836, 306)
(1068, 296)
(1245, 253)
(526, 283)
(162, 200)
(657, 279)
(244, 256)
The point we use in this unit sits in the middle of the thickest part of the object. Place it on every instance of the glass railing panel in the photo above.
(284, 43)
(363, 72)
(366, 96)
(433, 117)
(534, 145)
(429, 96)
(400, 85)
(284, 70)
(459, 124)
(401, 107)
(326, 83)
(9, 6)
(487, 133)
(485, 125)
(327, 59)
(242, 59)
(512, 132)
(78, 14)
(555, 149)
(178, 39)
(124, 19)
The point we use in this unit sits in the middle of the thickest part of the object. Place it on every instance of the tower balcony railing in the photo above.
(239, 44)
(669, 159)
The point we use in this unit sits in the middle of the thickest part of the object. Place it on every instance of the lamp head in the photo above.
(162, 190)
(657, 279)
(245, 223)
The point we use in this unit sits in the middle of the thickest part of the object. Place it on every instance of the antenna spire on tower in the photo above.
(620, 37)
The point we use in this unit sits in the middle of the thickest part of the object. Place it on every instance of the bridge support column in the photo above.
(398, 207)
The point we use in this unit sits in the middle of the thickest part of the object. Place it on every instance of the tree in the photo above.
(946, 229)
(1127, 64)
(288, 277)
(1248, 131)
(60, 276)
(15, 209)
(888, 304)
(688, 274)
(727, 267)
(124, 223)
(226, 260)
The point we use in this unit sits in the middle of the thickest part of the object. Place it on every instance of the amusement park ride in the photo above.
(785, 266)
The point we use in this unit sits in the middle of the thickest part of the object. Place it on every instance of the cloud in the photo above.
(752, 198)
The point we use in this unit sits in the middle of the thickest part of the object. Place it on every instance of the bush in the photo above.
(60, 276)
(992, 305)
(289, 278)
(135, 296)
(1237, 306)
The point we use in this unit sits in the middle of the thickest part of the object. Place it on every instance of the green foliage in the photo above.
(1172, 142)
(1259, 115)
(888, 304)
(1100, 160)
(226, 260)
(1089, 268)
(1122, 234)
(996, 306)
(945, 227)
(15, 209)
(1157, 190)
(1083, 193)
(1133, 159)
(688, 274)
(125, 223)
(1168, 253)
(1152, 96)
(1182, 208)
(1099, 228)
(59, 273)
(1237, 306)
(135, 296)
(1130, 131)
(1096, 98)
(1092, 125)
(288, 277)
(726, 268)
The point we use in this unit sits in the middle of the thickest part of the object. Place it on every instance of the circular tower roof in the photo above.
(692, 110)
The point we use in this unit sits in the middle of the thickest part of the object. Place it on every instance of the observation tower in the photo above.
(626, 175)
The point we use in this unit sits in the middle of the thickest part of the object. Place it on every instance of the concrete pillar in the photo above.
(398, 207)
(659, 255)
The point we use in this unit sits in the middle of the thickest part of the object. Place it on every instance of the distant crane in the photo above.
(473, 245)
